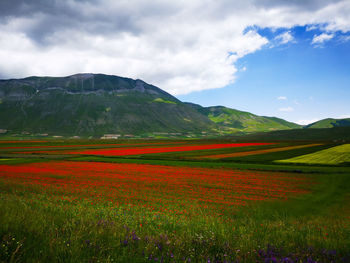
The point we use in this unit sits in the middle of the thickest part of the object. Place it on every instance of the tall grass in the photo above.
(38, 225)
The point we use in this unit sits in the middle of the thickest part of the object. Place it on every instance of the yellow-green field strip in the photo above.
(335, 155)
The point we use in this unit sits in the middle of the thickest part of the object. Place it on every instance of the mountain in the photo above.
(98, 104)
(93, 104)
(236, 120)
(329, 123)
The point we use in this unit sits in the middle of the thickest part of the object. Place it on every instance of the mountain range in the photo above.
(98, 104)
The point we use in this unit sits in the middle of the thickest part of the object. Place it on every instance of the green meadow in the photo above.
(332, 156)
(51, 212)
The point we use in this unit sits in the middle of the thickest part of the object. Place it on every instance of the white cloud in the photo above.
(306, 122)
(284, 38)
(319, 39)
(311, 28)
(180, 46)
(282, 98)
(346, 116)
(286, 109)
(344, 38)
(243, 68)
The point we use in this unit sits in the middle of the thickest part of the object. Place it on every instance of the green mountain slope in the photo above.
(330, 123)
(236, 120)
(93, 104)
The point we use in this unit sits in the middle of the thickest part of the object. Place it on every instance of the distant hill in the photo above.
(243, 121)
(329, 123)
(93, 104)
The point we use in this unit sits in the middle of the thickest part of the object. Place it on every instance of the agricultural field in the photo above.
(173, 201)
(335, 155)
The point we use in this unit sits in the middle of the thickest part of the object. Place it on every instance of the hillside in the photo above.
(92, 104)
(236, 120)
(330, 123)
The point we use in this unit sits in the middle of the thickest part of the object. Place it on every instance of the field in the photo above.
(335, 155)
(173, 201)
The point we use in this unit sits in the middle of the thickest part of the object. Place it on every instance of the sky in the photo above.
(289, 59)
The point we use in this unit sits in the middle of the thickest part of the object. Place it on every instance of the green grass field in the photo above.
(332, 156)
(172, 207)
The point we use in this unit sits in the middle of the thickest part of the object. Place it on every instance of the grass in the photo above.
(278, 167)
(240, 154)
(164, 101)
(49, 226)
(332, 156)
(272, 156)
(48, 222)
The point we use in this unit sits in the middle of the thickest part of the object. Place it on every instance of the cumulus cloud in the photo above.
(180, 46)
(311, 27)
(284, 38)
(319, 39)
(281, 98)
(286, 109)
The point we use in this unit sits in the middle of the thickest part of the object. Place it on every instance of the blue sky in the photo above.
(299, 81)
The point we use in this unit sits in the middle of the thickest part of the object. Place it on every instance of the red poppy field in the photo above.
(150, 150)
(92, 206)
(157, 187)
